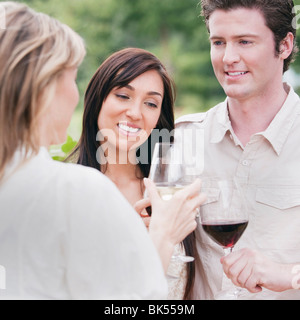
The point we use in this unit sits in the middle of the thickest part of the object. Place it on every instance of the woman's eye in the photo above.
(151, 104)
(122, 96)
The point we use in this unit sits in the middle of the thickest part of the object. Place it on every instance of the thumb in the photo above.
(151, 190)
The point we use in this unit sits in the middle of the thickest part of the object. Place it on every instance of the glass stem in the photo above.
(227, 251)
(234, 294)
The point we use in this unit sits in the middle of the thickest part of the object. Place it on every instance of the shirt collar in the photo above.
(276, 133)
(21, 157)
(280, 127)
(222, 125)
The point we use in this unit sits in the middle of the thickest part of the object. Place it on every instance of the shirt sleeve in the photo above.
(109, 252)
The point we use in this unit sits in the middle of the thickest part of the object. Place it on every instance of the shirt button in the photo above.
(245, 163)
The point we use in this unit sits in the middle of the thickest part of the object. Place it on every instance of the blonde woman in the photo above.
(66, 232)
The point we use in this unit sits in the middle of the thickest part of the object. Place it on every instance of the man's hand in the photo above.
(251, 270)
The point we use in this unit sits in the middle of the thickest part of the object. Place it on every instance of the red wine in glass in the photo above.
(225, 233)
(225, 219)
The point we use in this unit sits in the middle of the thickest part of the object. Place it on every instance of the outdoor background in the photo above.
(171, 29)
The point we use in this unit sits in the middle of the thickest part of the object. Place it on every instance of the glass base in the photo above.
(228, 294)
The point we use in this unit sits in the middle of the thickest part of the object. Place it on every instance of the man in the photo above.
(253, 136)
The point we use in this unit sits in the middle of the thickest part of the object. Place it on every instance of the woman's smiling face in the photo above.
(130, 113)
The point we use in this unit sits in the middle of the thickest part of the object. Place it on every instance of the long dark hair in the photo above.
(117, 71)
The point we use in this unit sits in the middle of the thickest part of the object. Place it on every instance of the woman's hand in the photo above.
(140, 208)
(173, 220)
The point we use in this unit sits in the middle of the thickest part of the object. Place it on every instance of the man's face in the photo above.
(243, 53)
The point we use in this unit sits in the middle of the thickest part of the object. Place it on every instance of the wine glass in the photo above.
(168, 173)
(225, 220)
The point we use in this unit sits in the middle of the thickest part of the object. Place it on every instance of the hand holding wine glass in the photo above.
(172, 220)
(168, 173)
(226, 220)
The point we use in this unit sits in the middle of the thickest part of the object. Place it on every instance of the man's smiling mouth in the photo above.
(235, 74)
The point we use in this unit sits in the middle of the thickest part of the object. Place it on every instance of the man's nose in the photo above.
(231, 55)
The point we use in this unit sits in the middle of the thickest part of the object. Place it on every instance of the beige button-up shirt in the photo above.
(268, 167)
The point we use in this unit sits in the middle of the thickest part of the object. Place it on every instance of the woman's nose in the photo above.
(134, 111)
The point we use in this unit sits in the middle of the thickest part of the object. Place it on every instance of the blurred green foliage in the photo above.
(60, 153)
(171, 29)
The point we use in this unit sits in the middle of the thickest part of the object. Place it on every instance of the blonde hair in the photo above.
(34, 50)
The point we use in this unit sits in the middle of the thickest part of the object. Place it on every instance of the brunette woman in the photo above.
(129, 106)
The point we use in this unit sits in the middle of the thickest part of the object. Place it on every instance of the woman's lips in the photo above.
(128, 129)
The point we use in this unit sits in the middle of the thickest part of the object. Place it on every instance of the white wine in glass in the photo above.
(168, 174)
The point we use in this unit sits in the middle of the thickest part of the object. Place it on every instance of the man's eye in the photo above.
(245, 42)
(218, 43)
